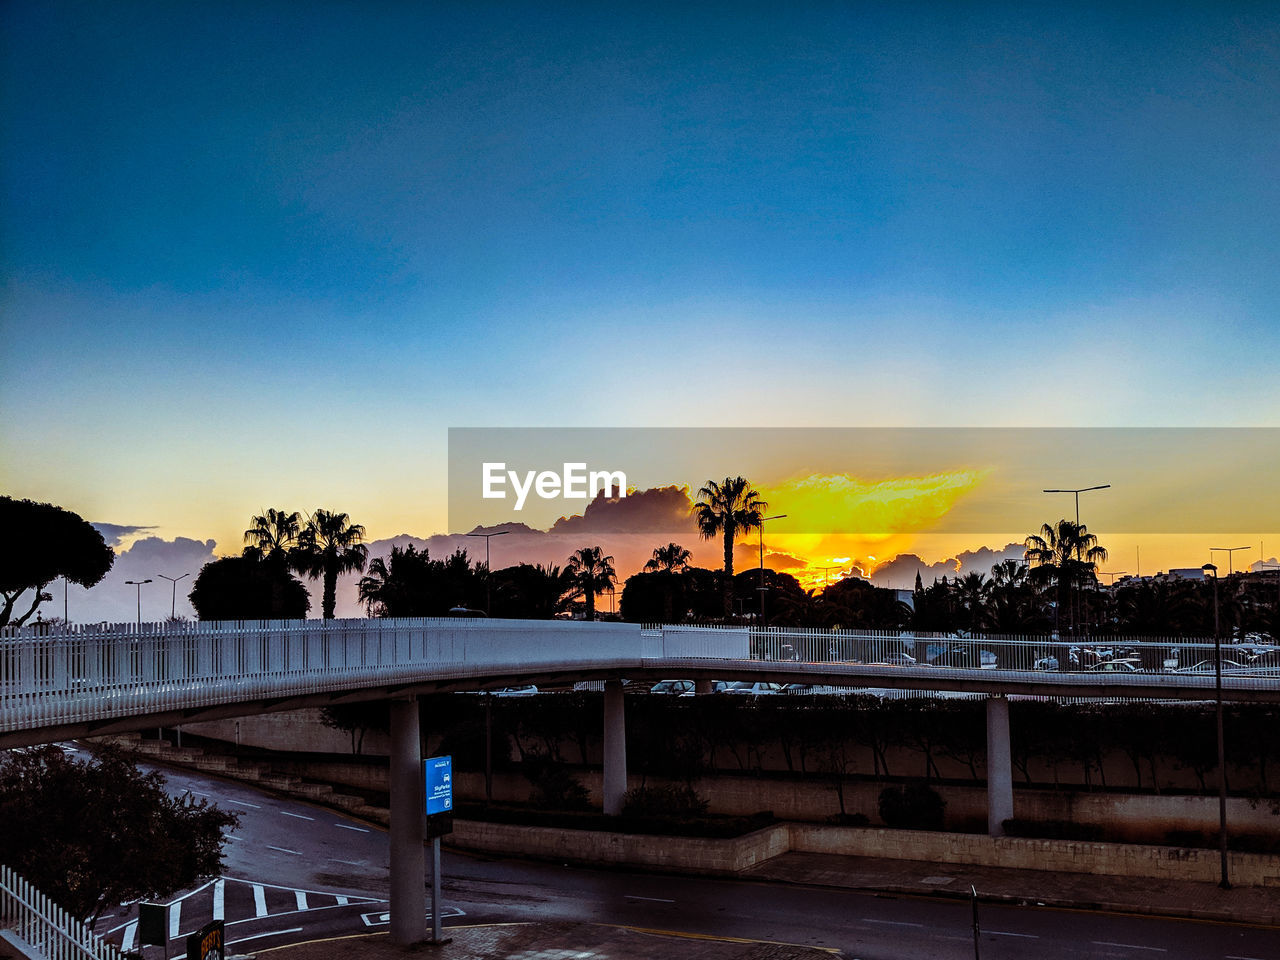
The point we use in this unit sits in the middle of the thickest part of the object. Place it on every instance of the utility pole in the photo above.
(138, 584)
(173, 602)
(488, 570)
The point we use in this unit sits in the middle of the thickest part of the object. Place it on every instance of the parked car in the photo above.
(1118, 666)
(1207, 666)
(897, 660)
(1045, 664)
(751, 688)
(678, 688)
(526, 690)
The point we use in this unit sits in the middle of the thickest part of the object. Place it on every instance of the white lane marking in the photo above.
(1002, 933)
(130, 931)
(297, 816)
(242, 803)
(895, 923)
(342, 901)
(1128, 946)
(200, 794)
(1229, 957)
(632, 896)
(175, 916)
(356, 829)
(219, 899)
(300, 898)
(296, 853)
(232, 836)
(259, 936)
(259, 899)
(349, 863)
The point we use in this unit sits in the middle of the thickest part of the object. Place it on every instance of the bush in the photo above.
(913, 807)
(554, 787)
(667, 801)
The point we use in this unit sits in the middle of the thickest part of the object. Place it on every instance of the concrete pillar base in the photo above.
(615, 748)
(408, 859)
(999, 766)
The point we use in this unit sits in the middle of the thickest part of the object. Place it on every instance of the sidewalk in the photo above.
(1168, 898)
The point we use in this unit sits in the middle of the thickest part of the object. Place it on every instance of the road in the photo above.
(296, 871)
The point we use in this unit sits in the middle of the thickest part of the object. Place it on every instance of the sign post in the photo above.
(208, 943)
(439, 794)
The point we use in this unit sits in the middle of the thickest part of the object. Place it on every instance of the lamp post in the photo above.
(1225, 882)
(173, 603)
(777, 516)
(1228, 551)
(488, 571)
(1077, 491)
(138, 584)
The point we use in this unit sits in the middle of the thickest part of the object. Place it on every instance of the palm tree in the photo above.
(728, 509)
(669, 559)
(592, 572)
(973, 591)
(328, 545)
(273, 536)
(1065, 555)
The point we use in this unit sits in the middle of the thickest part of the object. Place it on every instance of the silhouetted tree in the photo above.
(96, 834)
(726, 510)
(328, 545)
(529, 592)
(242, 588)
(669, 559)
(1065, 555)
(592, 572)
(273, 536)
(46, 542)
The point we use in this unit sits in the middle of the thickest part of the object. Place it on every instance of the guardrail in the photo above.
(44, 927)
(94, 673)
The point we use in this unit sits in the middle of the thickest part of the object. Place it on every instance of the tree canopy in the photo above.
(328, 545)
(46, 542)
(728, 509)
(245, 588)
(99, 833)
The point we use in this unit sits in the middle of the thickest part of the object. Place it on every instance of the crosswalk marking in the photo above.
(130, 931)
(220, 899)
(300, 897)
(343, 901)
(175, 918)
(259, 899)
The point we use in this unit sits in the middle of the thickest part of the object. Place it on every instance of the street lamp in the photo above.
(777, 516)
(1228, 551)
(1077, 491)
(488, 571)
(173, 603)
(138, 584)
(1225, 883)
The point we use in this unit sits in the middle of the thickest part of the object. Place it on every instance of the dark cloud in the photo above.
(115, 533)
(114, 600)
(901, 570)
(665, 510)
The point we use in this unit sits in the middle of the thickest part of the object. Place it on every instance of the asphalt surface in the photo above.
(297, 872)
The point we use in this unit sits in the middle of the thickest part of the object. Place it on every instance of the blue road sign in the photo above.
(439, 772)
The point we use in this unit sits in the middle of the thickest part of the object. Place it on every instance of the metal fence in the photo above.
(43, 925)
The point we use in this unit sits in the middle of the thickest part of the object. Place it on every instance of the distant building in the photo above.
(1186, 573)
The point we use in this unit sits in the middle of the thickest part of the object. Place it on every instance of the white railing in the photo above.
(108, 672)
(44, 926)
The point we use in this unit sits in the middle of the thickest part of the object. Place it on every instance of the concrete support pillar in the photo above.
(408, 859)
(999, 766)
(615, 747)
(701, 686)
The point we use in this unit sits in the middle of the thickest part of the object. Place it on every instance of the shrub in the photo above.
(554, 787)
(665, 801)
(913, 807)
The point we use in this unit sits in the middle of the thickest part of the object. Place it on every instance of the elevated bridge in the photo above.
(100, 679)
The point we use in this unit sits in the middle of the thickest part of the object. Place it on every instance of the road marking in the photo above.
(199, 794)
(175, 916)
(297, 816)
(356, 829)
(231, 836)
(219, 899)
(1001, 933)
(300, 897)
(632, 896)
(1128, 946)
(342, 901)
(130, 931)
(259, 899)
(242, 803)
(1229, 957)
(349, 863)
(296, 853)
(259, 936)
(895, 923)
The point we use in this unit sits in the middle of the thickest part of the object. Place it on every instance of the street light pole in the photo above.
(173, 603)
(1225, 882)
(1228, 551)
(138, 584)
(1077, 491)
(488, 570)
(777, 516)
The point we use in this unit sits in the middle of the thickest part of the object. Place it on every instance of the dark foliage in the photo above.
(915, 806)
(245, 588)
(46, 542)
(675, 800)
(101, 833)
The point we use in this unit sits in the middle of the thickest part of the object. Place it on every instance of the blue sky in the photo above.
(261, 254)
